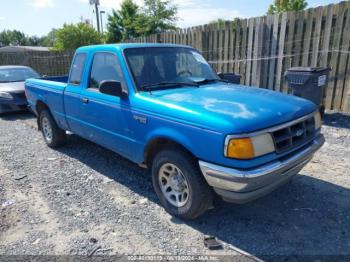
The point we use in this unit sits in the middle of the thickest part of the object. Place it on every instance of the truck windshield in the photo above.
(168, 67)
(16, 74)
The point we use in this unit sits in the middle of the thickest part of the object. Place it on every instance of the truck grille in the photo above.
(294, 135)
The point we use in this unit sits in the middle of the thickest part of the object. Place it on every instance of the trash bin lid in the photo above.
(308, 69)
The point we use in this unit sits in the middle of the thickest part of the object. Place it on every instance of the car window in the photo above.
(104, 67)
(167, 64)
(17, 74)
(78, 65)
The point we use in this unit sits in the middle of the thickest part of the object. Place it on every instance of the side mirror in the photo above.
(111, 87)
(230, 77)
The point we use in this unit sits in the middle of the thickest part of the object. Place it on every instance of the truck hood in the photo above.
(12, 87)
(229, 108)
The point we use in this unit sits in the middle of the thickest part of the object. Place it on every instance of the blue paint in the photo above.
(198, 118)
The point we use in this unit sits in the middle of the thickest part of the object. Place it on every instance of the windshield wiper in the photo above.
(166, 85)
(207, 81)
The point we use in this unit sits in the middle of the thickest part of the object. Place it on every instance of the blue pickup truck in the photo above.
(163, 107)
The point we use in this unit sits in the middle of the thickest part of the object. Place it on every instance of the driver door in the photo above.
(102, 114)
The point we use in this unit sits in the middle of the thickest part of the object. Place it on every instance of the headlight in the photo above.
(5, 95)
(249, 147)
(318, 120)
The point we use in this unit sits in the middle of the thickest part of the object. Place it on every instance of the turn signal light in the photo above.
(240, 148)
(249, 147)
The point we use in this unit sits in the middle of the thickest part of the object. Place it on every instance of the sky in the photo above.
(38, 17)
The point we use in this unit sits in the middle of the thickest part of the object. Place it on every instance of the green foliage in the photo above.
(157, 16)
(34, 41)
(8, 37)
(280, 6)
(121, 23)
(132, 21)
(15, 38)
(72, 36)
(219, 22)
(236, 22)
(49, 39)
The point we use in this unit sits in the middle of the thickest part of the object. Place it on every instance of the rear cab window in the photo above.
(78, 65)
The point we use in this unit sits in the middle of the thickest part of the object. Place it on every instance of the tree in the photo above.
(15, 38)
(72, 36)
(157, 16)
(8, 37)
(34, 41)
(50, 39)
(280, 6)
(121, 23)
(219, 22)
(132, 21)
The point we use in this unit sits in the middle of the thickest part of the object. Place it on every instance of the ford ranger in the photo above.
(163, 107)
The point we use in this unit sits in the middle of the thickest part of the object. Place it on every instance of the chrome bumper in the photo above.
(242, 186)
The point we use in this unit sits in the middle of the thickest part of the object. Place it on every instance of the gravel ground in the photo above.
(81, 197)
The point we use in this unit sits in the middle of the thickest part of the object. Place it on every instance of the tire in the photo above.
(196, 196)
(53, 135)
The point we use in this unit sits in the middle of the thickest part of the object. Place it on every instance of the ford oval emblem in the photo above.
(300, 132)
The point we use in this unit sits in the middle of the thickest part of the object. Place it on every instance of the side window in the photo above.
(104, 67)
(78, 65)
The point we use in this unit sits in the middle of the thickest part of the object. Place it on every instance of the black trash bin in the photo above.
(309, 83)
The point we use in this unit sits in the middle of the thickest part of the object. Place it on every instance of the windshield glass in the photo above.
(16, 74)
(167, 66)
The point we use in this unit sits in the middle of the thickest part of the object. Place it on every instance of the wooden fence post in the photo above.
(272, 57)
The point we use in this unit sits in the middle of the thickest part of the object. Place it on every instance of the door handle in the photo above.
(85, 100)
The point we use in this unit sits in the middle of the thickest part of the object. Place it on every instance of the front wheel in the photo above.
(179, 184)
(53, 135)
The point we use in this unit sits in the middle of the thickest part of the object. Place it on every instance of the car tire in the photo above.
(190, 195)
(53, 135)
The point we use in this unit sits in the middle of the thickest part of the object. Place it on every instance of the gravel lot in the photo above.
(78, 198)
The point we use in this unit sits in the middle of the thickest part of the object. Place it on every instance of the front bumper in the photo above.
(6, 108)
(18, 103)
(241, 186)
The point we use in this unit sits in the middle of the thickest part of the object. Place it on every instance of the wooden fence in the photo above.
(45, 63)
(261, 49)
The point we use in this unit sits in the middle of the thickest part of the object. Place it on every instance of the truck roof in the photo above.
(126, 45)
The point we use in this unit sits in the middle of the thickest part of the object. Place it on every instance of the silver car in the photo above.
(12, 96)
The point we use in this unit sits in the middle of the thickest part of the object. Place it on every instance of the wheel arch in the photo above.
(158, 143)
(39, 107)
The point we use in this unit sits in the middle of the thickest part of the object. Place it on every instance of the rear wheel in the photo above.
(53, 135)
(179, 184)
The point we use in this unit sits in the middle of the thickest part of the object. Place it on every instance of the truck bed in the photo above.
(61, 79)
(49, 90)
